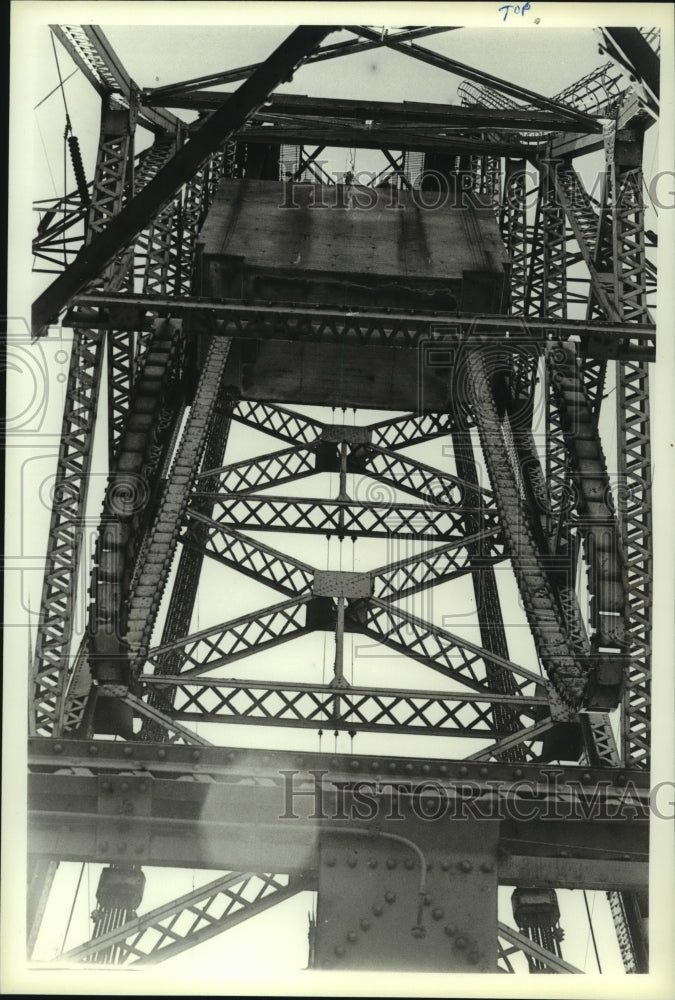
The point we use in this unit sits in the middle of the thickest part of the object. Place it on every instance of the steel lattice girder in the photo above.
(359, 327)
(212, 909)
(54, 632)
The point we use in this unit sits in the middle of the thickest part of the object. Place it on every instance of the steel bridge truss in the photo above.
(174, 504)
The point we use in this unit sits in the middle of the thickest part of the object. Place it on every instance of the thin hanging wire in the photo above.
(590, 925)
(72, 908)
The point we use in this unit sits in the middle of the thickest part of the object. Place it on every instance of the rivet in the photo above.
(438, 913)
(392, 767)
(564, 854)
(391, 863)
(333, 762)
(195, 754)
(352, 936)
(330, 862)
(445, 866)
(427, 899)
(443, 769)
(58, 748)
(124, 786)
(449, 930)
(390, 897)
(378, 909)
(463, 770)
(465, 866)
(409, 768)
(375, 767)
(355, 765)
(409, 864)
(326, 963)
(93, 750)
(487, 866)
(161, 753)
(300, 762)
(426, 769)
(142, 786)
(518, 773)
(621, 777)
(625, 857)
(352, 862)
(474, 957)
(122, 847)
(339, 950)
(483, 771)
(106, 786)
(231, 756)
(127, 751)
(586, 777)
(372, 862)
(365, 924)
(460, 942)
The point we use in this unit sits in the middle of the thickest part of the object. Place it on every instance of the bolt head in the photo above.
(390, 897)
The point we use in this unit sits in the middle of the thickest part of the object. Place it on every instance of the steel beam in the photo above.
(503, 86)
(360, 327)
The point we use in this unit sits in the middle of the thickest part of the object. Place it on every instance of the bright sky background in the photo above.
(537, 57)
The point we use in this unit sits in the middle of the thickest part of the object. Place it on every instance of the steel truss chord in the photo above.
(230, 641)
(51, 665)
(192, 918)
(344, 518)
(361, 709)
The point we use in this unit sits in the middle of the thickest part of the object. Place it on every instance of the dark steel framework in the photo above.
(580, 284)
